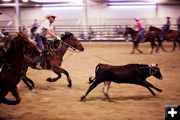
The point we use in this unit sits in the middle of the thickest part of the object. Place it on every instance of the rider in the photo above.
(166, 26)
(44, 29)
(140, 35)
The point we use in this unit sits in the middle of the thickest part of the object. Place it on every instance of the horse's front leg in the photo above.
(174, 45)
(58, 71)
(4, 100)
(29, 83)
(16, 95)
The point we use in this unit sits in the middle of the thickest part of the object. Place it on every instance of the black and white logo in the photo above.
(172, 112)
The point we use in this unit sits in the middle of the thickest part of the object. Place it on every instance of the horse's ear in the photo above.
(68, 33)
(19, 34)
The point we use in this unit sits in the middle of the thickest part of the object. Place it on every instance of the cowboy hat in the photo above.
(50, 15)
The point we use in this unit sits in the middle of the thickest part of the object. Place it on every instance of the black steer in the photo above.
(131, 73)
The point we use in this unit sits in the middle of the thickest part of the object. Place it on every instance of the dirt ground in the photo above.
(55, 101)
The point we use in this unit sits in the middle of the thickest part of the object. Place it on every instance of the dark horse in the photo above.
(55, 59)
(12, 66)
(171, 35)
(149, 37)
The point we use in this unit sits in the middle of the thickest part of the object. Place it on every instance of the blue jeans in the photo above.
(39, 40)
(141, 34)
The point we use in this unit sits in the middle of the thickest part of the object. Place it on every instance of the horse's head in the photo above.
(155, 71)
(72, 41)
(29, 46)
(129, 30)
(20, 43)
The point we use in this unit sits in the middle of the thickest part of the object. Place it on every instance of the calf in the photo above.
(131, 73)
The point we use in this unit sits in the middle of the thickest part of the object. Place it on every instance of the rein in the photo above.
(73, 48)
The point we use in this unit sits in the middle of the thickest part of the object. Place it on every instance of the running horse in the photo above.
(171, 35)
(148, 38)
(55, 58)
(11, 72)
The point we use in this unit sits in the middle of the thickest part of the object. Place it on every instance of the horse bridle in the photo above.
(73, 48)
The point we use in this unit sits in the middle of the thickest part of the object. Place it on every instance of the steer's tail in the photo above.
(92, 79)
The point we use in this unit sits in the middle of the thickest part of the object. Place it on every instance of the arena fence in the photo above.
(88, 33)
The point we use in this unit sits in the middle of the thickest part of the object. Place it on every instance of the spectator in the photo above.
(90, 33)
(82, 36)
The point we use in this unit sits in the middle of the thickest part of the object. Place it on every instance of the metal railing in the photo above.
(90, 32)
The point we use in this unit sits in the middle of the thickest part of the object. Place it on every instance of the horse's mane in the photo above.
(66, 36)
(130, 28)
(154, 28)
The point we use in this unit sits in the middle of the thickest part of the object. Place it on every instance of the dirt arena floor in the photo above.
(55, 101)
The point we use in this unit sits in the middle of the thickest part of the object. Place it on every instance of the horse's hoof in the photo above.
(83, 99)
(48, 79)
(160, 90)
(69, 85)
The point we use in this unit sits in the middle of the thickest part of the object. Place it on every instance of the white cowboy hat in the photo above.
(50, 15)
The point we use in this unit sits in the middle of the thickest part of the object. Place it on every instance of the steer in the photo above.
(130, 73)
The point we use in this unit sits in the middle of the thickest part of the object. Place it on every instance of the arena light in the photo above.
(47, 1)
(25, 0)
(6, 0)
(61, 8)
(134, 5)
(55, 1)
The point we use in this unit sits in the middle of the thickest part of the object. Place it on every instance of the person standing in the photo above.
(46, 28)
(140, 34)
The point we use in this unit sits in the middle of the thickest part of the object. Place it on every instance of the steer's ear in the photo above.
(156, 65)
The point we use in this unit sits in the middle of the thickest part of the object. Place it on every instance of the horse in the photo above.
(12, 54)
(55, 58)
(171, 35)
(148, 38)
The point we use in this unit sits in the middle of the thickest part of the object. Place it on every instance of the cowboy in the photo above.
(44, 29)
(167, 25)
(140, 33)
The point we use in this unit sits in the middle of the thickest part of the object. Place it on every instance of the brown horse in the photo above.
(12, 66)
(149, 37)
(55, 59)
(171, 35)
